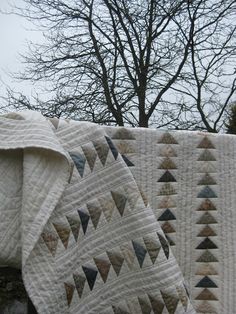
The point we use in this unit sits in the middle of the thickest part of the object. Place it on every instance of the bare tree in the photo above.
(207, 83)
(231, 121)
(136, 62)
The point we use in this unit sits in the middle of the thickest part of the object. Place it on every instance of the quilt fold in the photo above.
(112, 220)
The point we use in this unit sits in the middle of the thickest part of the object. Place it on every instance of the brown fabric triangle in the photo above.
(116, 260)
(206, 269)
(206, 218)
(171, 302)
(207, 180)
(51, 240)
(95, 214)
(69, 292)
(167, 163)
(64, 234)
(157, 305)
(206, 294)
(120, 201)
(152, 247)
(167, 138)
(107, 205)
(168, 228)
(167, 202)
(207, 231)
(90, 155)
(123, 134)
(205, 143)
(103, 267)
(206, 205)
(207, 257)
(102, 150)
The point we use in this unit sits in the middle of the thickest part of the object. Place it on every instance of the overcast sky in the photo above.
(14, 33)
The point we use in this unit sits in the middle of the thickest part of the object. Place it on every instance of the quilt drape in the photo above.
(115, 220)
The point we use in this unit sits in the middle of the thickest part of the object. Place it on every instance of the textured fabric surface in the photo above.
(114, 220)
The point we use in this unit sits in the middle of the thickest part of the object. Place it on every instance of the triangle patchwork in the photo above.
(63, 232)
(103, 267)
(206, 244)
(206, 167)
(74, 226)
(120, 201)
(84, 218)
(168, 151)
(90, 155)
(207, 257)
(126, 147)
(206, 156)
(170, 241)
(170, 301)
(116, 260)
(167, 215)
(167, 177)
(206, 294)
(123, 134)
(207, 192)
(144, 305)
(79, 162)
(140, 252)
(107, 205)
(207, 180)
(168, 228)
(167, 202)
(207, 231)
(206, 282)
(69, 292)
(112, 147)
(51, 241)
(206, 269)
(206, 205)
(167, 189)
(79, 283)
(206, 307)
(127, 161)
(91, 275)
(152, 247)
(167, 138)
(95, 214)
(167, 163)
(102, 150)
(164, 244)
(128, 253)
(207, 219)
(205, 143)
(157, 305)
(183, 297)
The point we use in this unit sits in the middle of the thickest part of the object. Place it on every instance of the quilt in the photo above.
(115, 220)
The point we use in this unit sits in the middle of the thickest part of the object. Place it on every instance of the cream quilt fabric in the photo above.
(112, 220)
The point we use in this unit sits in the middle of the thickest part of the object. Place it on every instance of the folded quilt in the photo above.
(113, 220)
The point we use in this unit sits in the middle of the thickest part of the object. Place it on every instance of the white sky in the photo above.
(14, 33)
